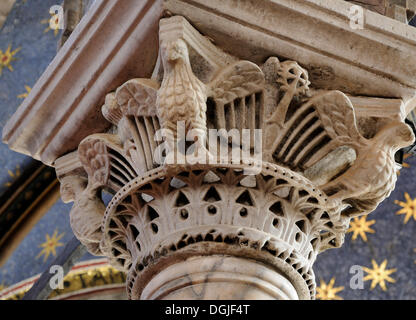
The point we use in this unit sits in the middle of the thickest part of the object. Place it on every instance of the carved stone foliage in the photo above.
(277, 213)
(317, 170)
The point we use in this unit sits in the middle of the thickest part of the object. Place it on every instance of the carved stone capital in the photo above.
(324, 158)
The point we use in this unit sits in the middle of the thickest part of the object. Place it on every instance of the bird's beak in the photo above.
(407, 133)
(404, 135)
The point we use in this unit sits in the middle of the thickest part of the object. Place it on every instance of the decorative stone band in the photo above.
(277, 213)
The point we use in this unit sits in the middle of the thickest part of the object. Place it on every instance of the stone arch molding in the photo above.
(319, 166)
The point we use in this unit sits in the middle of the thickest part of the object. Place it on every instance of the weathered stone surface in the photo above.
(377, 61)
(402, 10)
(315, 169)
(323, 153)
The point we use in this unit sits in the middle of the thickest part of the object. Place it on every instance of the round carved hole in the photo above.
(212, 210)
(275, 223)
(184, 214)
(243, 212)
(298, 237)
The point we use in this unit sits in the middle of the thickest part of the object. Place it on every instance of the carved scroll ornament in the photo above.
(317, 170)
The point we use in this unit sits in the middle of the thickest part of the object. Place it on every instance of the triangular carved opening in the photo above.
(245, 199)
(152, 213)
(181, 200)
(212, 195)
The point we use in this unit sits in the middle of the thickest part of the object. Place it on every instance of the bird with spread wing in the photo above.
(88, 210)
(182, 97)
(372, 176)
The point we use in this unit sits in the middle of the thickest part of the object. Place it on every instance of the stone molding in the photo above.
(97, 58)
(401, 10)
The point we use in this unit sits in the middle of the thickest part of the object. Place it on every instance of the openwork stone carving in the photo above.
(316, 169)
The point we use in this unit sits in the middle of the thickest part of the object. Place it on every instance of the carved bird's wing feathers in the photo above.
(93, 153)
(138, 97)
(236, 81)
(111, 110)
(337, 116)
(181, 97)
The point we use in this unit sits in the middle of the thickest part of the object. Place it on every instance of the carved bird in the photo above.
(87, 212)
(182, 96)
(372, 176)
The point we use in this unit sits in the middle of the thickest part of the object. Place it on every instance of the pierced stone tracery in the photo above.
(163, 214)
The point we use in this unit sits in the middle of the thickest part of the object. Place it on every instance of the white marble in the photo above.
(219, 278)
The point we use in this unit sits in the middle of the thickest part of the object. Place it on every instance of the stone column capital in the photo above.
(279, 199)
(244, 131)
